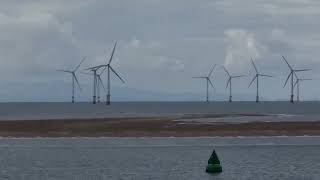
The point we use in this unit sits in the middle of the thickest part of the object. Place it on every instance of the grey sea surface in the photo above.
(256, 158)
(280, 111)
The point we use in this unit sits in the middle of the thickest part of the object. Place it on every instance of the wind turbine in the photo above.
(229, 83)
(297, 84)
(94, 73)
(109, 69)
(74, 77)
(99, 83)
(208, 80)
(256, 77)
(292, 72)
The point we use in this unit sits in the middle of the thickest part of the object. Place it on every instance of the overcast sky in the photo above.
(161, 45)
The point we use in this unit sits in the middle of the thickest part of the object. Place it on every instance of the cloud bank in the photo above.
(162, 44)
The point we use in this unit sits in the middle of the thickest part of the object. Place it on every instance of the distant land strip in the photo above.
(153, 127)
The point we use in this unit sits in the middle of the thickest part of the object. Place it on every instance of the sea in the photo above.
(171, 158)
(39, 111)
(242, 158)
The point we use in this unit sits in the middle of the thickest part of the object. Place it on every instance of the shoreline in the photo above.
(155, 127)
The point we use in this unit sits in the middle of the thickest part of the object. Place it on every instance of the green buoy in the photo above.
(214, 165)
(214, 168)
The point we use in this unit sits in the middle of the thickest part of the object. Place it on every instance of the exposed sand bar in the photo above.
(154, 127)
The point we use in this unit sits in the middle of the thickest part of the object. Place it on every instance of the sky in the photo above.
(162, 44)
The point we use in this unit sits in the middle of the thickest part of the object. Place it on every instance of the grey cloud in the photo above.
(162, 44)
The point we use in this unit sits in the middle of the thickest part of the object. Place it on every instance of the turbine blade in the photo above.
(306, 79)
(255, 68)
(113, 50)
(237, 76)
(116, 73)
(103, 70)
(228, 82)
(287, 80)
(83, 59)
(295, 74)
(287, 62)
(297, 81)
(265, 75)
(210, 83)
(101, 82)
(300, 70)
(252, 80)
(75, 77)
(212, 70)
(96, 67)
(226, 71)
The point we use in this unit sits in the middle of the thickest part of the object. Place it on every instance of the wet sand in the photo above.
(155, 127)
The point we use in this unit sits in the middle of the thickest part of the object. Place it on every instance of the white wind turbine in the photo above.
(74, 78)
(292, 72)
(208, 81)
(99, 84)
(229, 83)
(256, 78)
(109, 69)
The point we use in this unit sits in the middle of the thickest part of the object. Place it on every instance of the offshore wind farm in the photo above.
(109, 90)
(187, 123)
(211, 112)
(98, 71)
(97, 77)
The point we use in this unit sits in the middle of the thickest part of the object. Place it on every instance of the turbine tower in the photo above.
(229, 83)
(98, 83)
(256, 77)
(74, 78)
(208, 80)
(291, 75)
(297, 84)
(94, 72)
(109, 69)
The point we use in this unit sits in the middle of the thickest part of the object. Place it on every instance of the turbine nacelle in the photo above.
(298, 80)
(103, 68)
(74, 77)
(257, 73)
(73, 73)
(292, 75)
(208, 80)
(107, 66)
(231, 77)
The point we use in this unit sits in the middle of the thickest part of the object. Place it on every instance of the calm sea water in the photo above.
(283, 158)
(16, 111)
(273, 158)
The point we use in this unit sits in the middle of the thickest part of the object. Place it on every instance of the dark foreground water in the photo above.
(26, 111)
(283, 158)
